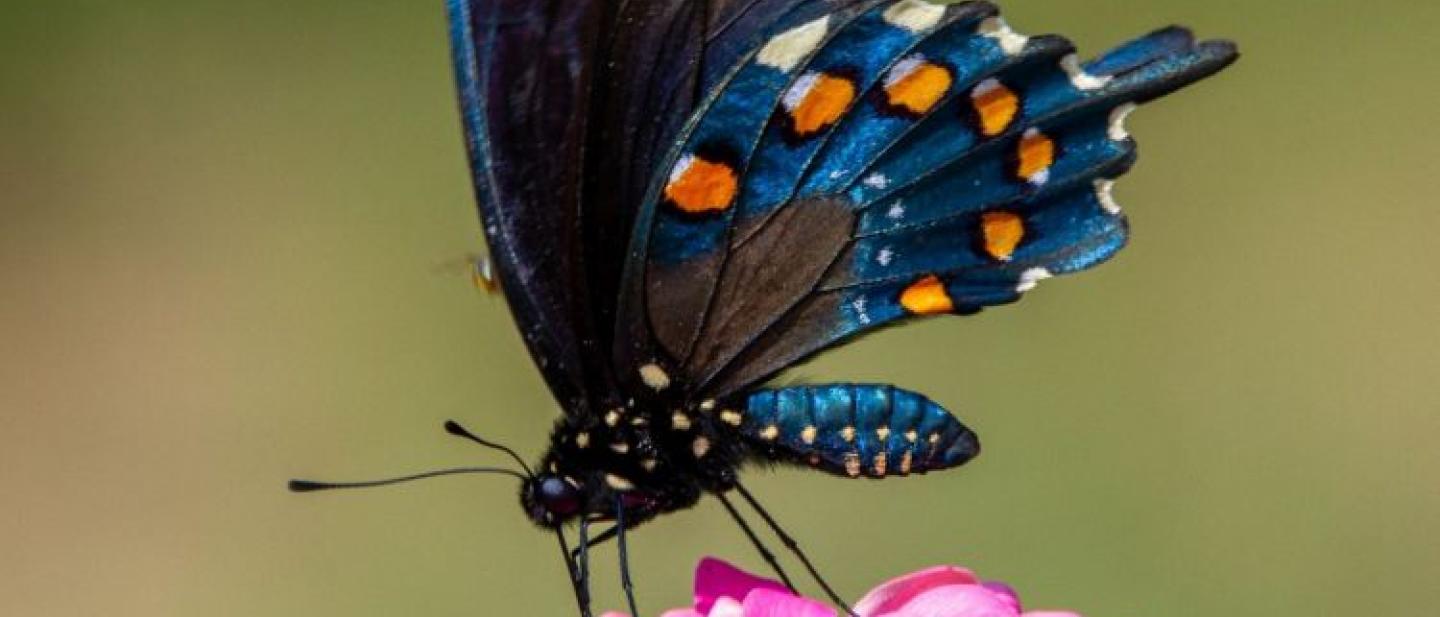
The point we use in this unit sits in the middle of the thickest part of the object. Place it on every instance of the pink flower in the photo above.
(722, 590)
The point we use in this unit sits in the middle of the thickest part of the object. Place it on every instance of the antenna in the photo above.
(455, 429)
(307, 486)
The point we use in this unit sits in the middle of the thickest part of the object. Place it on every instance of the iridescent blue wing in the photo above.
(888, 160)
(567, 106)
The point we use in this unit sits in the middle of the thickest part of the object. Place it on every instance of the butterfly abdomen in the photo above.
(856, 430)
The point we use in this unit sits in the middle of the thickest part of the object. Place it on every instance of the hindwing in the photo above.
(883, 161)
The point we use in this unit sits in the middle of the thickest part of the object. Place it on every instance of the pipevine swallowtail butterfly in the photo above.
(682, 198)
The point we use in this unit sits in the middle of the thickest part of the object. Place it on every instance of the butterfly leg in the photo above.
(619, 529)
(765, 553)
(581, 595)
(605, 536)
(582, 565)
(794, 547)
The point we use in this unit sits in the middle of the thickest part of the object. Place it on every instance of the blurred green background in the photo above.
(228, 250)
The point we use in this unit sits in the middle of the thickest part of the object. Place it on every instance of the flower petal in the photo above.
(896, 593)
(727, 607)
(771, 603)
(715, 579)
(955, 601)
(1006, 592)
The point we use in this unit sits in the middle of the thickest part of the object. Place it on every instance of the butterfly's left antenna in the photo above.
(455, 429)
(306, 486)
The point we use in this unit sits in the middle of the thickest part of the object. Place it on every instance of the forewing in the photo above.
(523, 69)
(567, 105)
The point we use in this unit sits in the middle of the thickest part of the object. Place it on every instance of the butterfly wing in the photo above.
(567, 106)
(884, 161)
(523, 73)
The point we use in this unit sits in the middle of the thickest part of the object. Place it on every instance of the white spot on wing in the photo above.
(903, 69)
(1078, 77)
(1104, 191)
(1010, 41)
(655, 377)
(877, 181)
(860, 313)
(985, 87)
(787, 49)
(1032, 277)
(1118, 132)
(896, 211)
(799, 90)
(681, 166)
(914, 15)
(885, 257)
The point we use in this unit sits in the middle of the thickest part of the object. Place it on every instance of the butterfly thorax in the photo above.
(647, 458)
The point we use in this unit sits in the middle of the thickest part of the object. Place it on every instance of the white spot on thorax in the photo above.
(916, 16)
(1117, 131)
(700, 446)
(679, 421)
(1078, 77)
(1009, 40)
(1032, 277)
(787, 49)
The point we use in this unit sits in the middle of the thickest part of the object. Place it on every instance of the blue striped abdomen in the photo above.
(855, 430)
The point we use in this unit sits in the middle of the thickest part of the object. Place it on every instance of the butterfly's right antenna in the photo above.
(455, 429)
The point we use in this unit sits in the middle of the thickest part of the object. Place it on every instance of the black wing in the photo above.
(567, 106)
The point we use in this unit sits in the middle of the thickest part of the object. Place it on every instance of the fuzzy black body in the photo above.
(651, 460)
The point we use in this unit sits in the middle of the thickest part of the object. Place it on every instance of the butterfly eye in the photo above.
(557, 496)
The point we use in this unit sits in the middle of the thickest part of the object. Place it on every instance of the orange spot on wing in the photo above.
(920, 89)
(700, 186)
(1036, 154)
(822, 105)
(996, 105)
(927, 296)
(1002, 232)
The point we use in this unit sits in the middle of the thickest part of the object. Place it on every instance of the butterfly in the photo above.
(683, 198)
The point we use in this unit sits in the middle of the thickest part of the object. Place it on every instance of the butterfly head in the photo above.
(551, 499)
